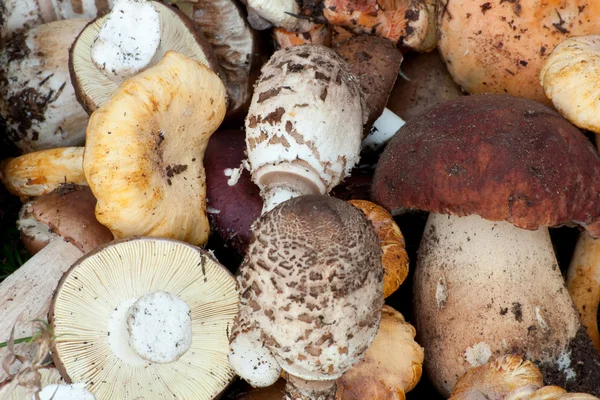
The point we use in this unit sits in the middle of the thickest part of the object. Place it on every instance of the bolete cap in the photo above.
(145, 318)
(501, 157)
(93, 87)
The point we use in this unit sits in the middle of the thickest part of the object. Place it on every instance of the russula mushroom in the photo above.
(238, 48)
(390, 368)
(311, 296)
(51, 384)
(568, 79)
(391, 241)
(68, 212)
(405, 22)
(583, 282)
(144, 151)
(500, 46)
(231, 209)
(26, 14)
(40, 172)
(37, 101)
(319, 34)
(162, 334)
(134, 36)
(509, 377)
(305, 123)
(494, 171)
(424, 84)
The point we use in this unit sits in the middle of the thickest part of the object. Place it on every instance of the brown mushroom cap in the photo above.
(376, 63)
(68, 211)
(311, 286)
(93, 88)
(430, 84)
(500, 46)
(497, 156)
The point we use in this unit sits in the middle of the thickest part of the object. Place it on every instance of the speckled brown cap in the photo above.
(497, 156)
(311, 286)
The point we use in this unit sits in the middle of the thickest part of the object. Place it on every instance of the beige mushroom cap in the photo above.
(38, 173)
(571, 79)
(145, 147)
(500, 46)
(92, 310)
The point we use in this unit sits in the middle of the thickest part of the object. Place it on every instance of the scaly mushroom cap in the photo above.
(145, 147)
(500, 46)
(67, 212)
(392, 365)
(501, 157)
(305, 123)
(496, 379)
(38, 173)
(145, 318)
(93, 88)
(311, 286)
(394, 259)
(375, 61)
(37, 101)
(571, 79)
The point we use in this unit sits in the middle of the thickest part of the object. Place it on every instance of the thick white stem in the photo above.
(384, 128)
(128, 41)
(277, 195)
(487, 288)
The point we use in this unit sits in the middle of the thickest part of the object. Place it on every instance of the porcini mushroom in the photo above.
(500, 47)
(304, 126)
(68, 212)
(311, 296)
(144, 151)
(494, 171)
(162, 334)
(391, 241)
(37, 101)
(512, 378)
(38, 173)
(134, 36)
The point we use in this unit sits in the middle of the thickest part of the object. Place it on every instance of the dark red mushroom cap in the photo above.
(497, 156)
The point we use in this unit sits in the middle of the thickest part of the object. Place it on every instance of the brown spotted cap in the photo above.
(501, 157)
(311, 284)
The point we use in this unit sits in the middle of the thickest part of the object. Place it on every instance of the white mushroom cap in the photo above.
(37, 101)
(65, 392)
(51, 383)
(304, 127)
(89, 318)
(281, 13)
(571, 79)
(128, 40)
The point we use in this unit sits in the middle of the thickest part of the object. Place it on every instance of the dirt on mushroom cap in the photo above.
(498, 156)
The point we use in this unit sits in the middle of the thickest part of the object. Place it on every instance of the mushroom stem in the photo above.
(300, 389)
(384, 128)
(583, 282)
(128, 41)
(509, 281)
(277, 195)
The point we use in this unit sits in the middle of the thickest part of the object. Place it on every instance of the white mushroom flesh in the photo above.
(64, 392)
(160, 327)
(129, 39)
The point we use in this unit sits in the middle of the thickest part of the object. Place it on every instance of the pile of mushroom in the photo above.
(141, 191)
